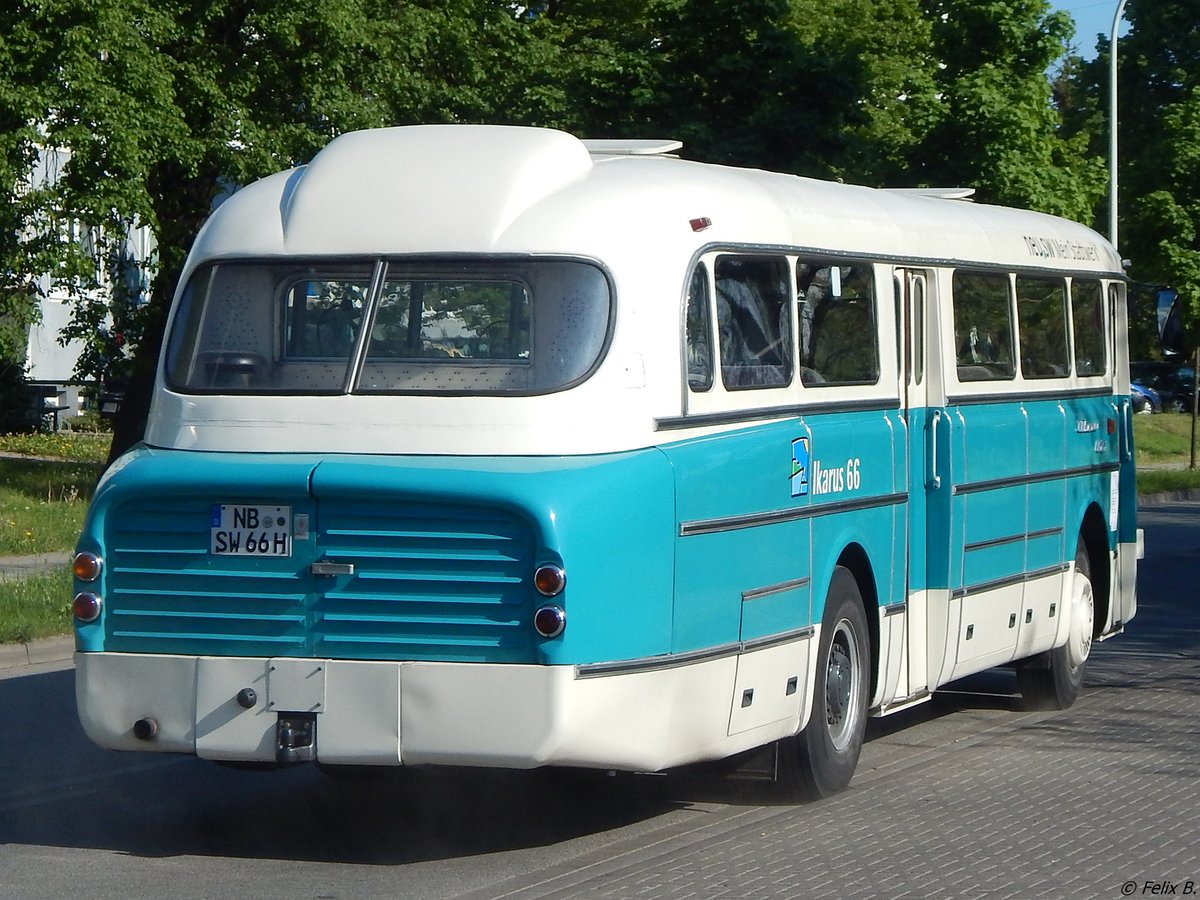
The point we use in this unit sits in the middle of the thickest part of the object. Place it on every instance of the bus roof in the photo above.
(433, 189)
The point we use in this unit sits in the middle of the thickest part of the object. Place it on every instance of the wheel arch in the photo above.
(1093, 531)
(854, 558)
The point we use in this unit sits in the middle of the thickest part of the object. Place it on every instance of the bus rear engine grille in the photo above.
(429, 582)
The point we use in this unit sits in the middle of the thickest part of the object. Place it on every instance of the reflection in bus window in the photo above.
(1042, 324)
(699, 332)
(323, 317)
(836, 310)
(752, 315)
(467, 326)
(427, 318)
(1087, 313)
(483, 328)
(982, 326)
(226, 335)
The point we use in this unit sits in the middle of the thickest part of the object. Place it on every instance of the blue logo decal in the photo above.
(799, 467)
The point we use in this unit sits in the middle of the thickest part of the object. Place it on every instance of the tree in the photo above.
(164, 108)
(1159, 165)
(999, 131)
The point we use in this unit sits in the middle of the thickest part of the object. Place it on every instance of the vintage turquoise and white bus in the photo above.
(489, 446)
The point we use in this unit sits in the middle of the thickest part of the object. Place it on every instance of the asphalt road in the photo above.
(968, 795)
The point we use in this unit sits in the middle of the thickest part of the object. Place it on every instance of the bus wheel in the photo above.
(1053, 680)
(820, 760)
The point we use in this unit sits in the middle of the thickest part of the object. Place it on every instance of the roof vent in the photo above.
(947, 193)
(651, 147)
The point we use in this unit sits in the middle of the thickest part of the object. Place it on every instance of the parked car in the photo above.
(1172, 384)
(1145, 400)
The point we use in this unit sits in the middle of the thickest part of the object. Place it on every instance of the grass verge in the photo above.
(66, 446)
(42, 504)
(1162, 439)
(35, 607)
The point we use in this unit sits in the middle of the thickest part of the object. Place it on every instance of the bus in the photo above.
(489, 446)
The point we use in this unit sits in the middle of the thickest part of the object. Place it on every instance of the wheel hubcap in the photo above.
(841, 686)
(1083, 613)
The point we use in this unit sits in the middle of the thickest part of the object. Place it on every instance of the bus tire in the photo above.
(820, 760)
(1053, 680)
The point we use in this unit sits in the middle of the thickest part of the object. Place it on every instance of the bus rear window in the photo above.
(467, 327)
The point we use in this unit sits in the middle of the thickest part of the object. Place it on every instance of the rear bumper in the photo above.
(413, 713)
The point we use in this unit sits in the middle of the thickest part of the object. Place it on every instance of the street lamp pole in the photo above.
(1112, 126)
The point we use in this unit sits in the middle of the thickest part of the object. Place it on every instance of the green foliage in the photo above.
(35, 607)
(1158, 89)
(1163, 445)
(151, 112)
(1162, 438)
(1000, 132)
(42, 504)
(75, 447)
(1167, 481)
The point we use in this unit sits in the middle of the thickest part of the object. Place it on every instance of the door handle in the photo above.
(935, 480)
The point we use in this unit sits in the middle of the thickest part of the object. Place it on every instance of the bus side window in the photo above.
(698, 325)
(836, 310)
(982, 326)
(753, 317)
(1087, 314)
(1042, 327)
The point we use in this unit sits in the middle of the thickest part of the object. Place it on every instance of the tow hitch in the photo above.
(296, 738)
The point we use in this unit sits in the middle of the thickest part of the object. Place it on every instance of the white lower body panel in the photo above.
(412, 713)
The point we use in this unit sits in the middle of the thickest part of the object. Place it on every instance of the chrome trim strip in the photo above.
(774, 517)
(974, 399)
(774, 640)
(733, 416)
(959, 593)
(699, 420)
(676, 660)
(1012, 539)
(782, 587)
(895, 609)
(975, 487)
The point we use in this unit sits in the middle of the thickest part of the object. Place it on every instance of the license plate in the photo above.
(246, 530)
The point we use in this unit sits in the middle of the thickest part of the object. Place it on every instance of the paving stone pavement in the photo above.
(1070, 804)
(979, 799)
(969, 795)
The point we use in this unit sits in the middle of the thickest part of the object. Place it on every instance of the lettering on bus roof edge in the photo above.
(1053, 248)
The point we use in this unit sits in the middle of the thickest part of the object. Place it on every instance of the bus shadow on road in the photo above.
(57, 789)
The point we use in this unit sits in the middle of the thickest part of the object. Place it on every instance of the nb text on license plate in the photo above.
(250, 530)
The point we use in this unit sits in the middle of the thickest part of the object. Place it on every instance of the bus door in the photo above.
(912, 287)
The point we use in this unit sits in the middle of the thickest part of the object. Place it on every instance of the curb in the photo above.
(1169, 497)
(45, 650)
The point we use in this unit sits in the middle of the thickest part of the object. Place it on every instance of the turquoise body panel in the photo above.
(698, 544)
(1017, 480)
(757, 548)
(443, 552)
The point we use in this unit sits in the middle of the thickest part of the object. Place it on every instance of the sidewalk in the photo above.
(45, 650)
(14, 567)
